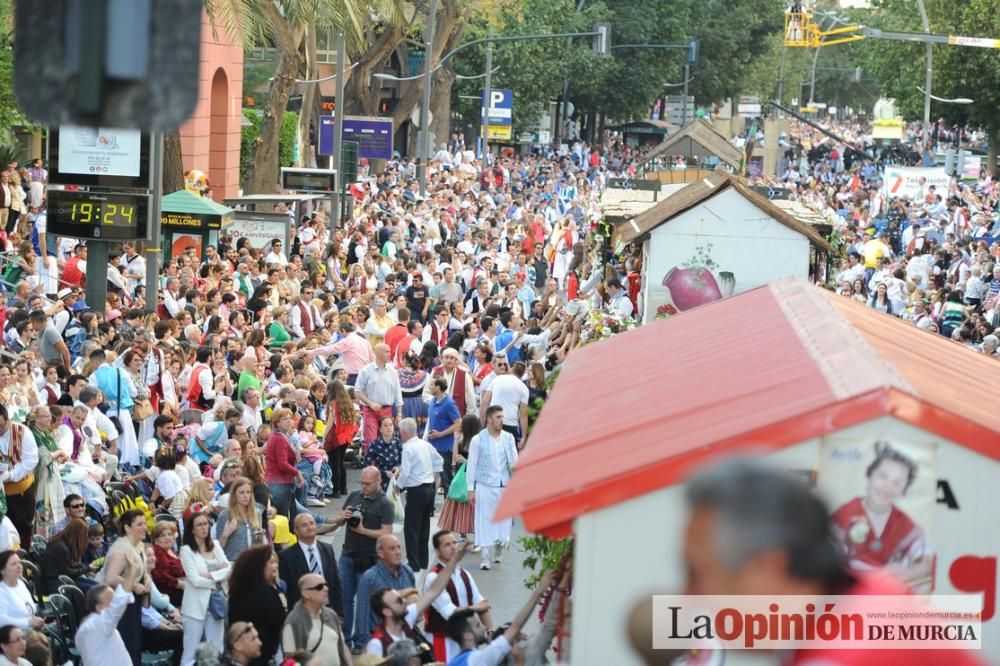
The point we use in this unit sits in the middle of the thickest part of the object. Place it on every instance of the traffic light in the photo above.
(602, 40)
(694, 45)
(348, 162)
(108, 63)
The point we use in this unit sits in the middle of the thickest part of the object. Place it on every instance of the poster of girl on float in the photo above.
(883, 496)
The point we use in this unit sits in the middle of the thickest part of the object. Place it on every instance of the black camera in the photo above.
(355, 518)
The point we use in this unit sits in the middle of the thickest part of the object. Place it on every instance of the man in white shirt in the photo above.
(396, 618)
(507, 391)
(20, 457)
(276, 257)
(460, 593)
(492, 458)
(418, 473)
(251, 416)
(469, 632)
(172, 300)
(619, 301)
(98, 639)
(132, 268)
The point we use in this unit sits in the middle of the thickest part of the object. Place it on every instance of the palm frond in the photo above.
(241, 19)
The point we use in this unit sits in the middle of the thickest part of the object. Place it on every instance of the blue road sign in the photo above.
(373, 135)
(327, 127)
(501, 103)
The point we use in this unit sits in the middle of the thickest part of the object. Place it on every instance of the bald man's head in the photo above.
(310, 580)
(371, 481)
(382, 353)
(389, 550)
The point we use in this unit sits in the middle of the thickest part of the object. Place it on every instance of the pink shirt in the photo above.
(353, 348)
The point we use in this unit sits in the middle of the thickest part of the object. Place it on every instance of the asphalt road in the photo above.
(503, 584)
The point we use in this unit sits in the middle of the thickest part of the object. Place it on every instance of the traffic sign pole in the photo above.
(338, 134)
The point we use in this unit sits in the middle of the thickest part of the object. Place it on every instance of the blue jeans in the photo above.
(283, 500)
(349, 582)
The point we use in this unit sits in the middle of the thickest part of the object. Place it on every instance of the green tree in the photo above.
(284, 23)
(11, 115)
(958, 71)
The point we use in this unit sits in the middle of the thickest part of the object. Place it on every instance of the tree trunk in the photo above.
(310, 91)
(173, 163)
(447, 23)
(361, 97)
(994, 137)
(262, 174)
(444, 79)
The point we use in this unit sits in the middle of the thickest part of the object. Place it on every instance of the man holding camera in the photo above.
(368, 514)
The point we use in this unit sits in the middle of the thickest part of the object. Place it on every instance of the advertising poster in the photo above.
(261, 229)
(914, 182)
(882, 492)
(179, 243)
(99, 151)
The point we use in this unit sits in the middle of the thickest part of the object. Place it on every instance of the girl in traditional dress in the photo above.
(875, 533)
(461, 516)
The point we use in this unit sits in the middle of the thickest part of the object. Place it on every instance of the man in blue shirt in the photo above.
(443, 420)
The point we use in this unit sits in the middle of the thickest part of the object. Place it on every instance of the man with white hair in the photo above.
(418, 471)
(990, 344)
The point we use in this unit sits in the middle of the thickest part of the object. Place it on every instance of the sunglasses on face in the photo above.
(316, 588)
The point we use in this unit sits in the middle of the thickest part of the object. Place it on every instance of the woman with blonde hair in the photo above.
(238, 526)
(199, 493)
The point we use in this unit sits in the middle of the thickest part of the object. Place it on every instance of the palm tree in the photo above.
(285, 24)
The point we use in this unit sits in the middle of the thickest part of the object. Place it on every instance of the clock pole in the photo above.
(97, 274)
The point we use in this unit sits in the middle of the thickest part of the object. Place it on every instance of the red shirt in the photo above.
(279, 460)
(72, 274)
(168, 570)
(393, 337)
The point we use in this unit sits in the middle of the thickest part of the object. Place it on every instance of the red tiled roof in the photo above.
(767, 368)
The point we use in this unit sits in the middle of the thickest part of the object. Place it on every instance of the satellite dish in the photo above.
(415, 117)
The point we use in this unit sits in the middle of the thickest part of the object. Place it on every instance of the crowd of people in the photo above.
(178, 465)
(926, 252)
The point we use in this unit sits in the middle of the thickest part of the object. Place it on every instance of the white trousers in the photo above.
(194, 629)
(48, 273)
(489, 533)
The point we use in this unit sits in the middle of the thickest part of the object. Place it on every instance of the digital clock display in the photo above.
(97, 215)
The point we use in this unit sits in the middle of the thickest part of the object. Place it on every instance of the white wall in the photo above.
(633, 549)
(745, 241)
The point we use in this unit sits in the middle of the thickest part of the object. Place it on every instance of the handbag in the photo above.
(142, 410)
(459, 490)
(218, 605)
(397, 502)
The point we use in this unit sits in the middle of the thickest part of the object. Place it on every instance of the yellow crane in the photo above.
(802, 31)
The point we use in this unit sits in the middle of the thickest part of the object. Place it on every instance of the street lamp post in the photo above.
(928, 75)
(484, 125)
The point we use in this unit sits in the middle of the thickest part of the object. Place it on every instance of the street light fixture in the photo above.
(964, 101)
